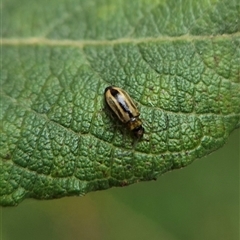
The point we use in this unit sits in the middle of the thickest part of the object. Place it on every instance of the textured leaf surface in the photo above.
(179, 60)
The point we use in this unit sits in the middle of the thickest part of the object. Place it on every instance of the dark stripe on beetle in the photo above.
(118, 96)
(113, 91)
(132, 104)
(115, 107)
(125, 108)
(107, 88)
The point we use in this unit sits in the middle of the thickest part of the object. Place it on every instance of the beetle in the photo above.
(124, 108)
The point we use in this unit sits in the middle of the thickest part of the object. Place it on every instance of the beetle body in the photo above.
(125, 109)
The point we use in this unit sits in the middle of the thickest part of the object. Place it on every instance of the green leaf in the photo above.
(179, 60)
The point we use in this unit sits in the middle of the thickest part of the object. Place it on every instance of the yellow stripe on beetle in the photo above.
(125, 109)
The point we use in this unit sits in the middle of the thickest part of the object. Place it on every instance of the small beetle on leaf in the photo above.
(125, 109)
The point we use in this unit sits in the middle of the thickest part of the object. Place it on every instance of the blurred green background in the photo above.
(198, 202)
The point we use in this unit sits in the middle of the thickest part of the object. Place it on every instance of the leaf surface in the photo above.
(178, 60)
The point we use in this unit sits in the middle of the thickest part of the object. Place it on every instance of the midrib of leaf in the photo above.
(82, 43)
